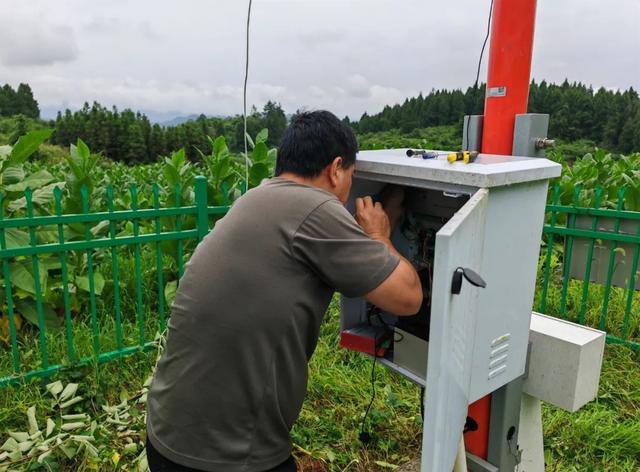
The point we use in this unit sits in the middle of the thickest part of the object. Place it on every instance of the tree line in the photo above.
(130, 137)
(18, 102)
(611, 119)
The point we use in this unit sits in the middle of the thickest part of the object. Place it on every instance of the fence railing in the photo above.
(63, 270)
(589, 267)
(111, 289)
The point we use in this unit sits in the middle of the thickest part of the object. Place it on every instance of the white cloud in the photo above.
(323, 37)
(113, 26)
(345, 56)
(103, 25)
(317, 92)
(193, 97)
(358, 86)
(382, 96)
(25, 42)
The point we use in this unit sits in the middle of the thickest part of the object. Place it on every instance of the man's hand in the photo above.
(373, 219)
(401, 292)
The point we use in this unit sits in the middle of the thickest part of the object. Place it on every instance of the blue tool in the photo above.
(421, 153)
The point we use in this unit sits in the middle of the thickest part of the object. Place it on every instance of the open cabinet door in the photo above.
(459, 244)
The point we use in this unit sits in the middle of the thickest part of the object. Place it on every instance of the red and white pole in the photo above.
(508, 78)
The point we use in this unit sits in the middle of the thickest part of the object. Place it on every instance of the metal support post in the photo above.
(530, 435)
(475, 464)
(509, 73)
(503, 426)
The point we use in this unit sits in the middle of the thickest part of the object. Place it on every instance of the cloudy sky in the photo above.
(350, 56)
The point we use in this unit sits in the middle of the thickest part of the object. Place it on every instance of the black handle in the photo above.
(472, 277)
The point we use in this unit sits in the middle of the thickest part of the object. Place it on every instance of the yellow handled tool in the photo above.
(464, 156)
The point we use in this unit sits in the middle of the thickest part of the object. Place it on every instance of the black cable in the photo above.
(422, 389)
(365, 437)
(373, 310)
(475, 85)
(244, 101)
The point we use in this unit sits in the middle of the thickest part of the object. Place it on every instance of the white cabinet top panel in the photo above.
(487, 171)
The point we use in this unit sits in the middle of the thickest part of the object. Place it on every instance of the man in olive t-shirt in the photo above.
(246, 316)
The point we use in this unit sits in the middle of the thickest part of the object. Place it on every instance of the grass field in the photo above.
(605, 435)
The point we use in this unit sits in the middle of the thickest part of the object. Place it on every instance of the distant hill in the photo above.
(178, 120)
(163, 118)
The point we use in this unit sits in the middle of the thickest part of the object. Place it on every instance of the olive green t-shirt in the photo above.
(245, 322)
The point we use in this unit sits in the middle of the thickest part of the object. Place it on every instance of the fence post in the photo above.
(202, 223)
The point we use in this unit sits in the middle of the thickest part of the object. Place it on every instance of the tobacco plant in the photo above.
(602, 170)
(80, 184)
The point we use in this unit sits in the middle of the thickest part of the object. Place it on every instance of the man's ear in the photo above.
(334, 168)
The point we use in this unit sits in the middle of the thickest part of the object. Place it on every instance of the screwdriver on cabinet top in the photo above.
(422, 153)
(464, 156)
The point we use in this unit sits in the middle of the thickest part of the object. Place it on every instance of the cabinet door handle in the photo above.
(470, 275)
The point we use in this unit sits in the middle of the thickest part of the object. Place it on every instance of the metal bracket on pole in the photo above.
(472, 125)
(530, 135)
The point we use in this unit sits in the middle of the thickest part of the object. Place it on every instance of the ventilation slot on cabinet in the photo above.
(499, 355)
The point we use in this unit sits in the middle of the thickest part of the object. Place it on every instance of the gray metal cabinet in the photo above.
(486, 216)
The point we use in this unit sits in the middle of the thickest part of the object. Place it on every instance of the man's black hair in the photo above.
(312, 141)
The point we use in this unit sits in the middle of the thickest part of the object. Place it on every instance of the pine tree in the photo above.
(627, 141)
(8, 101)
(134, 150)
(275, 121)
(25, 103)
(157, 145)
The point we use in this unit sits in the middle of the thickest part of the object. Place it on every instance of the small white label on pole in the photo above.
(497, 92)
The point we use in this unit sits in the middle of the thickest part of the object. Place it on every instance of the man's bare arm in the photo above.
(401, 292)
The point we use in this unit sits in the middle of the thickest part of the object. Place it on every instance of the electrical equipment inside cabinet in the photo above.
(426, 211)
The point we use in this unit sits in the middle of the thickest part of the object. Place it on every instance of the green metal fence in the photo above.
(588, 270)
(149, 230)
(589, 267)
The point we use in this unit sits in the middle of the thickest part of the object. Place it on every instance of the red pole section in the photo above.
(509, 74)
(477, 440)
(510, 49)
